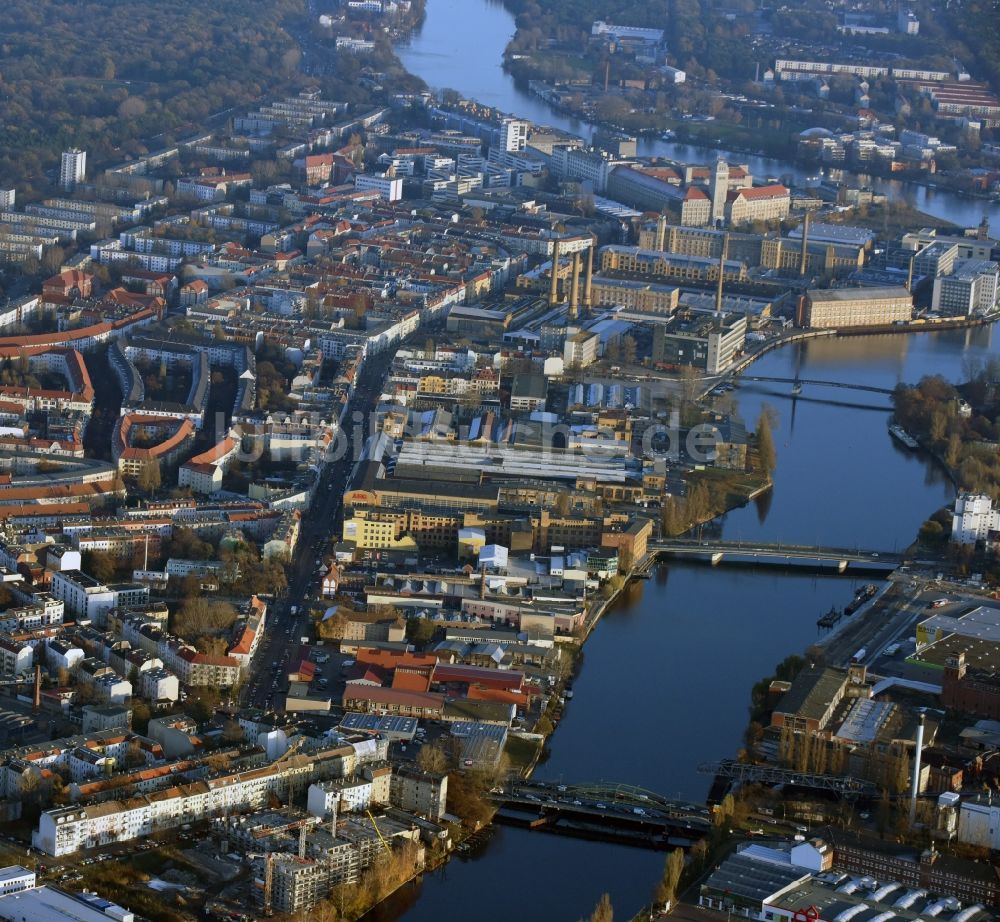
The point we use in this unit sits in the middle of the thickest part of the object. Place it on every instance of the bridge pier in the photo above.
(717, 559)
(841, 566)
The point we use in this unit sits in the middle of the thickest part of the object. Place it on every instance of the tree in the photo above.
(232, 733)
(766, 454)
(199, 617)
(953, 451)
(671, 517)
(140, 715)
(432, 758)
(134, 757)
(696, 504)
(673, 868)
(202, 703)
(100, 565)
(603, 911)
(420, 631)
(149, 477)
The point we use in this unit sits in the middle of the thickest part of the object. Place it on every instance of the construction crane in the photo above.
(378, 832)
(291, 750)
(268, 879)
(289, 789)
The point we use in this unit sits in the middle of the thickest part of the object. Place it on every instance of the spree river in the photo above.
(461, 46)
(665, 680)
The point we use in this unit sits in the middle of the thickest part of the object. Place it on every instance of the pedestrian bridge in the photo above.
(841, 384)
(776, 554)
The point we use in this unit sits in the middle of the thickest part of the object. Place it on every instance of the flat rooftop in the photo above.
(850, 896)
(981, 623)
(858, 294)
(46, 904)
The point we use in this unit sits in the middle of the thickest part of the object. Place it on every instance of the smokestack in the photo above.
(909, 274)
(915, 783)
(36, 698)
(554, 282)
(805, 246)
(661, 232)
(482, 584)
(574, 290)
(588, 279)
(722, 269)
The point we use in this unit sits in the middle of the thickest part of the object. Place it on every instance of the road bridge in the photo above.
(775, 554)
(621, 812)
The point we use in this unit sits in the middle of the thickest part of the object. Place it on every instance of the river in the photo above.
(665, 679)
(461, 45)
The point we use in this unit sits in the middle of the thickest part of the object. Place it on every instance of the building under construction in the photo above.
(298, 858)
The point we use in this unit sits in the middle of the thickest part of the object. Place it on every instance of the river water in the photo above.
(461, 46)
(665, 679)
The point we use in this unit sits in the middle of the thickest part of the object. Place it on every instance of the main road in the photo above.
(287, 619)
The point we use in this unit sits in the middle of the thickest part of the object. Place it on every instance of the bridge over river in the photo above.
(618, 812)
(760, 553)
(813, 381)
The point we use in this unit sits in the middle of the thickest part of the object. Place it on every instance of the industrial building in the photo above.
(701, 340)
(840, 308)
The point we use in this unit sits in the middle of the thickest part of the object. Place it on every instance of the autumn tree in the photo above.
(766, 453)
(232, 733)
(100, 565)
(432, 758)
(149, 477)
(199, 617)
(696, 504)
(666, 887)
(603, 911)
(672, 520)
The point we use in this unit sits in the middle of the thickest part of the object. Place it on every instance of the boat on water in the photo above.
(860, 597)
(904, 437)
(830, 618)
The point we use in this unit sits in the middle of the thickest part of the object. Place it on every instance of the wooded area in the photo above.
(102, 74)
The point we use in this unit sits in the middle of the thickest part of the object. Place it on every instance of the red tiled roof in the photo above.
(377, 695)
(184, 430)
(775, 190)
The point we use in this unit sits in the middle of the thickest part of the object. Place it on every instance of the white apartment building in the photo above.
(975, 517)
(65, 830)
(85, 597)
(60, 654)
(594, 167)
(513, 135)
(388, 187)
(971, 288)
(323, 800)
(29, 617)
(73, 168)
(108, 686)
(15, 657)
(159, 685)
(82, 595)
